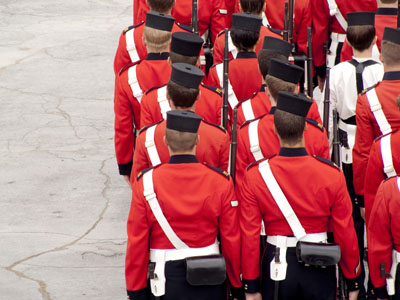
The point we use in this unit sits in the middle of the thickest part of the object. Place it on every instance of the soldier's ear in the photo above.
(144, 40)
(165, 141)
(199, 95)
(197, 139)
(264, 6)
(169, 61)
(297, 89)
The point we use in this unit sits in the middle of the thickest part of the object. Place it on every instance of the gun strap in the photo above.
(359, 70)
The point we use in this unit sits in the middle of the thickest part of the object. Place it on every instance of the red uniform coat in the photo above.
(275, 11)
(198, 202)
(219, 45)
(150, 72)
(324, 24)
(383, 231)
(315, 138)
(212, 15)
(213, 148)
(208, 106)
(375, 170)
(318, 195)
(368, 130)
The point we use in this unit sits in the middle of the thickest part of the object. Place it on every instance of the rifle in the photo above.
(336, 142)
(233, 146)
(309, 64)
(326, 98)
(225, 83)
(285, 24)
(290, 22)
(195, 17)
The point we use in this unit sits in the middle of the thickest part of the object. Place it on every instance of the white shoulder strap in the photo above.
(376, 109)
(248, 110)
(265, 20)
(281, 200)
(151, 146)
(254, 142)
(334, 11)
(133, 82)
(163, 101)
(387, 158)
(151, 198)
(233, 101)
(231, 47)
(131, 46)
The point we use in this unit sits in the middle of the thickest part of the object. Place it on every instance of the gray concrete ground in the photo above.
(63, 206)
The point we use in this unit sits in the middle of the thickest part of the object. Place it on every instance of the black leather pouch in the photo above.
(205, 270)
(318, 254)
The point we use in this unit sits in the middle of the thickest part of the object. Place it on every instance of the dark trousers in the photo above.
(397, 285)
(301, 283)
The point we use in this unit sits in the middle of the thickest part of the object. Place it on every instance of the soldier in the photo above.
(319, 202)
(255, 7)
(183, 94)
(185, 48)
(134, 80)
(376, 109)
(177, 211)
(257, 138)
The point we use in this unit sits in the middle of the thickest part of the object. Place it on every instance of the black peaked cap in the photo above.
(285, 71)
(186, 44)
(277, 45)
(361, 18)
(186, 75)
(297, 104)
(391, 35)
(247, 22)
(159, 21)
(184, 121)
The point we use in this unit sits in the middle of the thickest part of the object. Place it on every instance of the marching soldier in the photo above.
(134, 80)
(255, 7)
(383, 240)
(185, 48)
(177, 211)
(183, 94)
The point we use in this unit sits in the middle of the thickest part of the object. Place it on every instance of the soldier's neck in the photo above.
(362, 54)
(390, 5)
(285, 144)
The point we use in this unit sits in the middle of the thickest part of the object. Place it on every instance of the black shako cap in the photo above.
(361, 18)
(391, 35)
(277, 45)
(186, 75)
(285, 71)
(247, 22)
(297, 104)
(159, 21)
(184, 121)
(186, 44)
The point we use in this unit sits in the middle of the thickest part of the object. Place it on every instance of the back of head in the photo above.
(245, 31)
(272, 48)
(157, 31)
(264, 59)
(254, 7)
(390, 48)
(161, 6)
(185, 48)
(387, 2)
(361, 30)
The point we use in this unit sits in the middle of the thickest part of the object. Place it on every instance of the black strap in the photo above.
(359, 70)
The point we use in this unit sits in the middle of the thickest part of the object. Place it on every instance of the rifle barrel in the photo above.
(327, 102)
(336, 143)
(285, 23)
(225, 82)
(195, 17)
(234, 146)
(290, 20)
(309, 64)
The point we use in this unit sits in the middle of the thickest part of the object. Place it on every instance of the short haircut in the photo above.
(289, 127)
(398, 101)
(179, 58)
(388, 1)
(390, 53)
(181, 96)
(156, 40)
(276, 85)
(180, 141)
(244, 40)
(254, 7)
(264, 59)
(361, 36)
(160, 6)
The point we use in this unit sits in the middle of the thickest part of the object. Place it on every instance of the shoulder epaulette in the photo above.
(127, 66)
(315, 123)
(249, 121)
(221, 33)
(144, 171)
(132, 26)
(368, 89)
(247, 99)
(185, 27)
(328, 162)
(154, 88)
(218, 170)
(381, 136)
(277, 31)
(143, 129)
(214, 89)
(220, 127)
(255, 163)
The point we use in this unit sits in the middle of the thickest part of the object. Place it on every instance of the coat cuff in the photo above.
(359, 201)
(141, 294)
(251, 286)
(354, 284)
(381, 292)
(237, 292)
(321, 70)
(125, 169)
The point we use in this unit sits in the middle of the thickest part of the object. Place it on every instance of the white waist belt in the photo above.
(347, 153)
(338, 37)
(174, 254)
(292, 241)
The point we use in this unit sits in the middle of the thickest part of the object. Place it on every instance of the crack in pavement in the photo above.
(42, 285)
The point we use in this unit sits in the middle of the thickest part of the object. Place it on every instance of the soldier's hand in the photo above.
(362, 212)
(127, 179)
(254, 296)
(353, 295)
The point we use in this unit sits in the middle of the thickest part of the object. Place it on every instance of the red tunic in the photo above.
(375, 170)
(368, 130)
(208, 106)
(318, 195)
(315, 138)
(149, 72)
(383, 230)
(199, 204)
(213, 148)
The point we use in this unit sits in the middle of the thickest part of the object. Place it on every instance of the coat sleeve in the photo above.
(301, 30)
(242, 160)
(320, 34)
(140, 158)
(224, 153)
(219, 49)
(122, 57)
(218, 18)
(150, 112)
